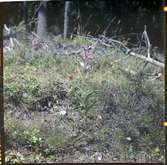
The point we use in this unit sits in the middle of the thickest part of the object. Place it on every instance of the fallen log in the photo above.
(126, 50)
(148, 59)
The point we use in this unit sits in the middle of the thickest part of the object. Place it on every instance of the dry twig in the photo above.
(126, 50)
(147, 41)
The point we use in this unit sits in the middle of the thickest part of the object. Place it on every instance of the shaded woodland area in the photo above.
(84, 81)
(95, 17)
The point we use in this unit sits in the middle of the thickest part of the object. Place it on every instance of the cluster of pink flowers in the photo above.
(36, 44)
(87, 55)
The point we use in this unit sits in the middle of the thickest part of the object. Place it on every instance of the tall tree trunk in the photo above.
(42, 20)
(25, 14)
(19, 13)
(79, 18)
(66, 18)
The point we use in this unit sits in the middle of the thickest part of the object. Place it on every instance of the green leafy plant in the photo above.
(85, 99)
(14, 157)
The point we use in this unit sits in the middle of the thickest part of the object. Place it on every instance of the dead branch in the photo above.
(126, 50)
(147, 41)
(12, 39)
(148, 59)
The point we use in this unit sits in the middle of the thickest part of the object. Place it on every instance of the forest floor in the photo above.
(81, 101)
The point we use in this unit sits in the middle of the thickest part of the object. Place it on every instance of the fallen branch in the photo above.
(148, 59)
(126, 50)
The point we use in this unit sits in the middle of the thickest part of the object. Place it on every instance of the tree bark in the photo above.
(42, 21)
(79, 18)
(66, 18)
(25, 14)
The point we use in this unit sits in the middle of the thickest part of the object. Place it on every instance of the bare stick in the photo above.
(6, 28)
(105, 30)
(147, 41)
(128, 51)
(148, 59)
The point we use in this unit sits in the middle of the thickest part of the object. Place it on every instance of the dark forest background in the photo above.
(116, 17)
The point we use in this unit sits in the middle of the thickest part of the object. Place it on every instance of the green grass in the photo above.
(133, 102)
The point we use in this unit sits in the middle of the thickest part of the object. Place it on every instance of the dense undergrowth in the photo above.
(110, 113)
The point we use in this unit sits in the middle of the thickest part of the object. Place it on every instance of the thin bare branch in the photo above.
(126, 50)
(147, 41)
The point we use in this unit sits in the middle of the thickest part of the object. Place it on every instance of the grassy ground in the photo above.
(110, 113)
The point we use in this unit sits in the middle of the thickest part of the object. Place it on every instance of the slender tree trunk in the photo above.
(25, 13)
(79, 18)
(19, 13)
(42, 20)
(66, 18)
